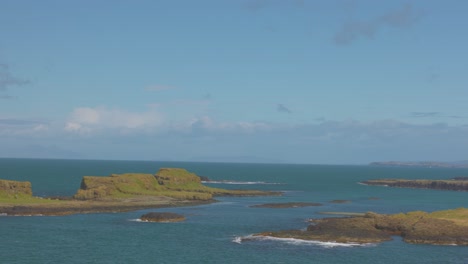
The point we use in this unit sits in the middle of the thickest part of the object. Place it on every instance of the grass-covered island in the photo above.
(169, 187)
(456, 184)
(448, 227)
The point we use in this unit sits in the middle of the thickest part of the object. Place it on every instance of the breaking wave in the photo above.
(294, 241)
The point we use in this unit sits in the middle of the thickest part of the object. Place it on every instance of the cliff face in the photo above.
(15, 188)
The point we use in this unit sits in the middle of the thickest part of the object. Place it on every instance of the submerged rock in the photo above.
(285, 205)
(162, 217)
(340, 201)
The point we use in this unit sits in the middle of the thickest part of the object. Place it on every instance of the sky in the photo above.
(268, 81)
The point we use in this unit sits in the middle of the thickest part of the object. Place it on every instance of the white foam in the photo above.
(242, 182)
(3, 214)
(237, 240)
(136, 220)
(295, 241)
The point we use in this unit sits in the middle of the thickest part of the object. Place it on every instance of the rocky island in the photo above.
(456, 184)
(169, 187)
(448, 227)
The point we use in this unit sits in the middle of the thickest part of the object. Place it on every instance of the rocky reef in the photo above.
(340, 201)
(116, 193)
(285, 205)
(448, 227)
(162, 217)
(450, 185)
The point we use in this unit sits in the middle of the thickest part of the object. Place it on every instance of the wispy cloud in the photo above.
(433, 114)
(7, 80)
(7, 97)
(85, 120)
(425, 114)
(22, 127)
(354, 29)
(283, 109)
(159, 87)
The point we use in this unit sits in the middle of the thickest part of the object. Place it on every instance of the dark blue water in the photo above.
(210, 232)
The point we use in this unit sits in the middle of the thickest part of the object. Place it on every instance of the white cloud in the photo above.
(85, 120)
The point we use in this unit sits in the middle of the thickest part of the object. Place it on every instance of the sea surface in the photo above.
(211, 233)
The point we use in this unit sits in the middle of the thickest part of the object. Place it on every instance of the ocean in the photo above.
(211, 233)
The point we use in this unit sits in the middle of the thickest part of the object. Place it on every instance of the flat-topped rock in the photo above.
(162, 217)
(15, 188)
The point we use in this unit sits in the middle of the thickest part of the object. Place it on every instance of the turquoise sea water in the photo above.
(211, 232)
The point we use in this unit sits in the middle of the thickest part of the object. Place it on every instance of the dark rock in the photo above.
(415, 227)
(162, 217)
(449, 185)
(285, 205)
(340, 201)
(204, 178)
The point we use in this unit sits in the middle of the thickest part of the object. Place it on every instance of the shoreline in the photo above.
(70, 207)
(448, 227)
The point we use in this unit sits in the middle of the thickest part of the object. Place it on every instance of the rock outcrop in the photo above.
(170, 182)
(14, 189)
(448, 227)
(285, 205)
(162, 217)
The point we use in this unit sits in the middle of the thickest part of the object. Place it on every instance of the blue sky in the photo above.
(294, 81)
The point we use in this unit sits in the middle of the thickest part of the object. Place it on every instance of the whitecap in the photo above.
(295, 241)
(237, 240)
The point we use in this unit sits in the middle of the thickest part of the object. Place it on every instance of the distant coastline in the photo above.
(423, 164)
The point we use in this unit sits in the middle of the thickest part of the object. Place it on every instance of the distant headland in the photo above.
(425, 164)
(169, 187)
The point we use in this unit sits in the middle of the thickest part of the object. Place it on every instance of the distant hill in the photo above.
(425, 164)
